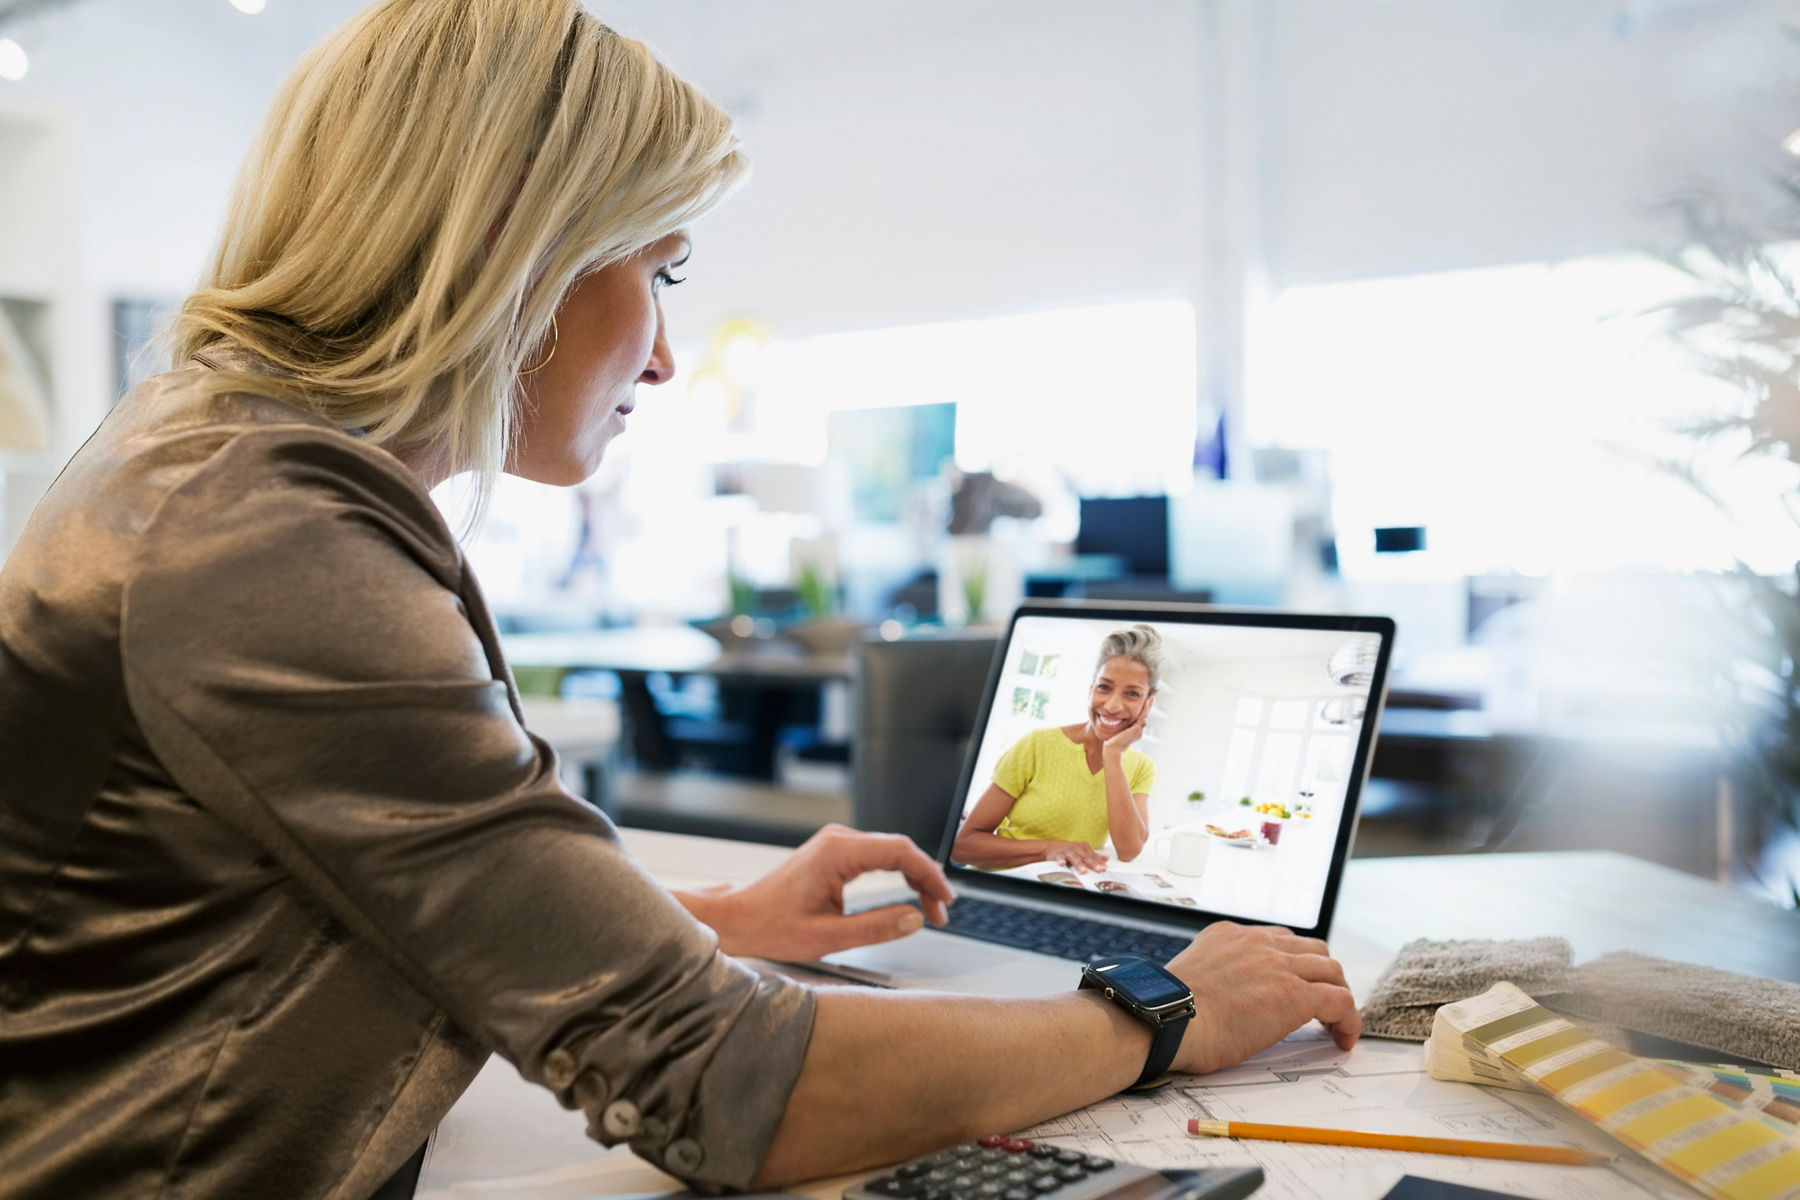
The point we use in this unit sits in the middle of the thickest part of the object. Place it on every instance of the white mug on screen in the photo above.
(1182, 851)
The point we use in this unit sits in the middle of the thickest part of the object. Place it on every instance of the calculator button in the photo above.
(937, 1193)
(1018, 1193)
(1070, 1173)
(988, 1189)
(1015, 1145)
(1045, 1183)
(1042, 1151)
(963, 1183)
(889, 1186)
(1069, 1156)
(991, 1141)
(1018, 1176)
(1094, 1162)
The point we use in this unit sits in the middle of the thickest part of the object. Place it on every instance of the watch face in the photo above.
(1147, 985)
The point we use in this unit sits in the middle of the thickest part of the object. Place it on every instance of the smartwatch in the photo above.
(1154, 996)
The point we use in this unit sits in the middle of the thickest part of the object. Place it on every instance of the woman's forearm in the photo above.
(890, 1075)
(1125, 824)
(977, 849)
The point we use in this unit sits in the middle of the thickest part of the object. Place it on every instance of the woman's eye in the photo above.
(665, 279)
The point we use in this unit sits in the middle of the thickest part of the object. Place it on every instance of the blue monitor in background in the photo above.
(888, 450)
(1134, 529)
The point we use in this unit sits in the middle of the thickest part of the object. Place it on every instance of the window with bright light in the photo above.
(1102, 397)
(1525, 415)
(1079, 401)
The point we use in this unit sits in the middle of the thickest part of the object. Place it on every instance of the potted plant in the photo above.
(1742, 322)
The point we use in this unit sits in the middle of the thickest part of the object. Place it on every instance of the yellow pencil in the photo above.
(1392, 1141)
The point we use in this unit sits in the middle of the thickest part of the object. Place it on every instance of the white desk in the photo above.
(507, 1140)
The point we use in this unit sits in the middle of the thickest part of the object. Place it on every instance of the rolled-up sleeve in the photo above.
(301, 659)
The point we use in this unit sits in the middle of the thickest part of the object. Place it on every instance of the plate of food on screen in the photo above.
(1243, 839)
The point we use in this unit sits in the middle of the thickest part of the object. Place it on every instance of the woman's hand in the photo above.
(1077, 856)
(1254, 985)
(1127, 737)
(795, 913)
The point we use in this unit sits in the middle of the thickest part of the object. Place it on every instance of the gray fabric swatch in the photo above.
(1739, 1015)
(1426, 974)
(1757, 1020)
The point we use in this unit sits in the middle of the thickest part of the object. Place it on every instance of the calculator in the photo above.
(1006, 1168)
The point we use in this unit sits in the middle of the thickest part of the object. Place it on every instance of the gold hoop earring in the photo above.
(555, 336)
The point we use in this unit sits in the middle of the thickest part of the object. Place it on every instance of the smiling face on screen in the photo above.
(1118, 696)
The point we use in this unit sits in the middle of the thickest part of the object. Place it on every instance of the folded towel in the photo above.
(1426, 974)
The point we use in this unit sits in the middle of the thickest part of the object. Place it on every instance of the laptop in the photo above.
(1254, 752)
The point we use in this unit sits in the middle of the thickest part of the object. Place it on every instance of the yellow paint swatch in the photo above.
(1720, 1149)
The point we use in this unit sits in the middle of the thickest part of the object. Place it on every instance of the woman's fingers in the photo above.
(1077, 856)
(851, 853)
(827, 935)
(1335, 1009)
(896, 852)
(1317, 968)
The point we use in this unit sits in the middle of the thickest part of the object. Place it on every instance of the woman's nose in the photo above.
(661, 367)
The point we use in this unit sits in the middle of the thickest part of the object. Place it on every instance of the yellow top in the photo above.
(1055, 796)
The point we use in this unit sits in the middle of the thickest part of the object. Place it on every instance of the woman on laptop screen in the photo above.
(1060, 792)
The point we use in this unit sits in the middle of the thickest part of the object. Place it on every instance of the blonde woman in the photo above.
(1058, 794)
(279, 865)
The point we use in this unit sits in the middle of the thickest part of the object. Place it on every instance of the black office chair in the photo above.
(916, 702)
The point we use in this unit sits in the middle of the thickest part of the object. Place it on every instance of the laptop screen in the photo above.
(1187, 759)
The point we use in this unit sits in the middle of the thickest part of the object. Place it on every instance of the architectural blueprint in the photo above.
(1378, 1087)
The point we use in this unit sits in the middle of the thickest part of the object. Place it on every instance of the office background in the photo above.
(1344, 297)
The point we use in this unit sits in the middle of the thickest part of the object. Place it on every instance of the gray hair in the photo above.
(1141, 644)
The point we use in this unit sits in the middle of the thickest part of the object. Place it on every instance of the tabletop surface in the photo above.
(1601, 902)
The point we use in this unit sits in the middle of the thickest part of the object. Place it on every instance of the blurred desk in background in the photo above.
(674, 650)
(761, 689)
(1654, 790)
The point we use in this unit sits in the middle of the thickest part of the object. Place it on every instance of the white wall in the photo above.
(1408, 135)
(167, 94)
(937, 159)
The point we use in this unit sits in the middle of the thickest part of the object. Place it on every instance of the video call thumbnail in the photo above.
(1202, 766)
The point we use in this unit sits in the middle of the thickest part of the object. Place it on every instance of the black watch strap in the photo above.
(1165, 1040)
(1166, 1028)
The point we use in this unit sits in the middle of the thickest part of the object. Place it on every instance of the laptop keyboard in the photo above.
(1056, 933)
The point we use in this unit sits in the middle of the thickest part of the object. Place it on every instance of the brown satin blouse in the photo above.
(280, 866)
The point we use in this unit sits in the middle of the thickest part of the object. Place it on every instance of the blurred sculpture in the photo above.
(979, 498)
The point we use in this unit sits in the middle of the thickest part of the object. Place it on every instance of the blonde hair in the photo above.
(429, 183)
(1141, 644)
